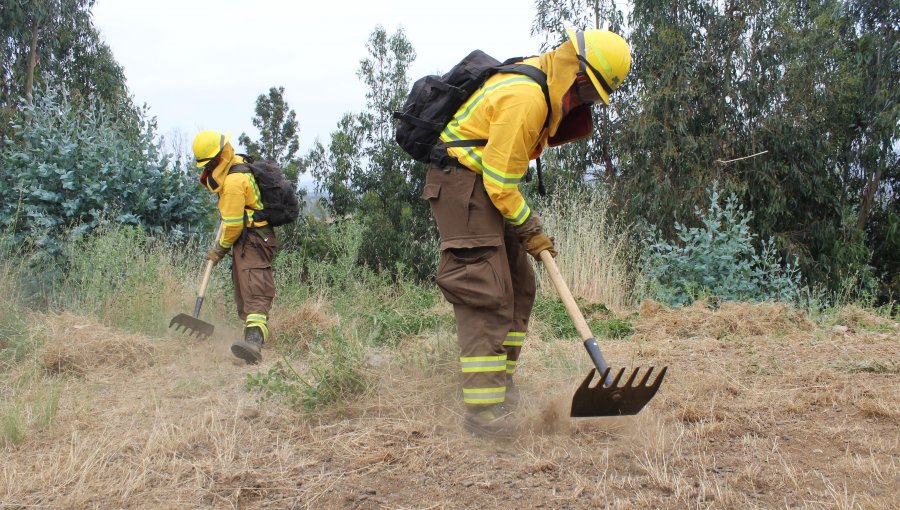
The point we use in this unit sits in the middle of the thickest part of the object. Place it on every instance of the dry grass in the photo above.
(75, 344)
(298, 327)
(594, 250)
(730, 319)
(746, 419)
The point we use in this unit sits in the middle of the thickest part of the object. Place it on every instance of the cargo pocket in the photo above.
(431, 191)
(471, 277)
(260, 281)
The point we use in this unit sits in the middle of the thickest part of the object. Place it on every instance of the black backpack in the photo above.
(279, 198)
(434, 99)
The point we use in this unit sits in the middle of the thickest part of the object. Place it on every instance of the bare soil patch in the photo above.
(761, 409)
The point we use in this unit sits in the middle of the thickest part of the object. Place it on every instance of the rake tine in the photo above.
(634, 374)
(604, 378)
(646, 377)
(615, 382)
(659, 377)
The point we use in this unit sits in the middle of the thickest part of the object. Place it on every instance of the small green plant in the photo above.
(552, 313)
(13, 426)
(334, 375)
(612, 328)
(719, 258)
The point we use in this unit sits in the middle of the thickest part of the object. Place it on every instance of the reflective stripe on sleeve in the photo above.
(511, 366)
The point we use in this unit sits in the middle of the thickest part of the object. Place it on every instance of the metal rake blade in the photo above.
(192, 325)
(612, 399)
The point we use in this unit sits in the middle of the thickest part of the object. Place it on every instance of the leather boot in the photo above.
(250, 348)
(489, 421)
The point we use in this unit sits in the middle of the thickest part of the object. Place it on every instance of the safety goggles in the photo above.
(586, 90)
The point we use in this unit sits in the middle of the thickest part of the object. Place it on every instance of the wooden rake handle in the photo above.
(206, 275)
(575, 313)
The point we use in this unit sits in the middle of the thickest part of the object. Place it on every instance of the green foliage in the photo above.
(335, 373)
(808, 89)
(278, 133)
(14, 339)
(719, 259)
(123, 276)
(363, 173)
(406, 309)
(66, 167)
(12, 425)
(552, 314)
(45, 42)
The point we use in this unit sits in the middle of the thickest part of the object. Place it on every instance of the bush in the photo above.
(719, 259)
(67, 167)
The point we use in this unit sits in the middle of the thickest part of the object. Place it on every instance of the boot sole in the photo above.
(246, 353)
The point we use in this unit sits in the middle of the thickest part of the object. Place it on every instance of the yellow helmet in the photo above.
(604, 56)
(207, 144)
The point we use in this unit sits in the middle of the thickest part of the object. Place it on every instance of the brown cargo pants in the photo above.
(485, 273)
(251, 271)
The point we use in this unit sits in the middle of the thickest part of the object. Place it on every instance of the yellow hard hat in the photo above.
(604, 56)
(207, 144)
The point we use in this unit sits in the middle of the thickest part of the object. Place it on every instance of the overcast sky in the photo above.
(200, 64)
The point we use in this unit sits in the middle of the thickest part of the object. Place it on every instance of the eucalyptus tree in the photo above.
(278, 140)
(364, 173)
(599, 156)
(54, 43)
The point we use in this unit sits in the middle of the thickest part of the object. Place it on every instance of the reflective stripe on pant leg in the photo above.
(258, 320)
(483, 379)
(484, 396)
(513, 344)
(483, 364)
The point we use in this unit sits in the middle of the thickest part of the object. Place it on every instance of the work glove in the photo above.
(534, 240)
(215, 254)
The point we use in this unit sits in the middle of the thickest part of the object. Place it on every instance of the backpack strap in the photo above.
(514, 66)
(535, 74)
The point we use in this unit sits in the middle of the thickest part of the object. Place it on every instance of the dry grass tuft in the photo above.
(76, 344)
(296, 328)
(857, 319)
(730, 319)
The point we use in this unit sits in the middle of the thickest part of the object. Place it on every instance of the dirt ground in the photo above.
(760, 409)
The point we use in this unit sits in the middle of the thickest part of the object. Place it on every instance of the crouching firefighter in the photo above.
(251, 241)
(486, 226)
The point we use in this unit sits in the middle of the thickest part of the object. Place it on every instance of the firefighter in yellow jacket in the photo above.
(485, 224)
(252, 243)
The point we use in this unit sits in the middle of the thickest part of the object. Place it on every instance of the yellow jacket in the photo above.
(509, 111)
(238, 196)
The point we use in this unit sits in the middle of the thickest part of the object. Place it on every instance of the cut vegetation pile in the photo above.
(74, 344)
(719, 321)
(761, 409)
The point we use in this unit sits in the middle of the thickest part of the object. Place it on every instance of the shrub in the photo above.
(719, 259)
(68, 166)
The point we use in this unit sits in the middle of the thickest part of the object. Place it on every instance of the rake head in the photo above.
(192, 325)
(612, 399)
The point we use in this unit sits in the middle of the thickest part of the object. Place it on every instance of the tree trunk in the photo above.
(865, 207)
(32, 64)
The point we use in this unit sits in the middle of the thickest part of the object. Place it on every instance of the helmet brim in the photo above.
(227, 137)
(573, 38)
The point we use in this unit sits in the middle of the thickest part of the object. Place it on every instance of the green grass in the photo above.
(30, 403)
(12, 426)
(552, 313)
